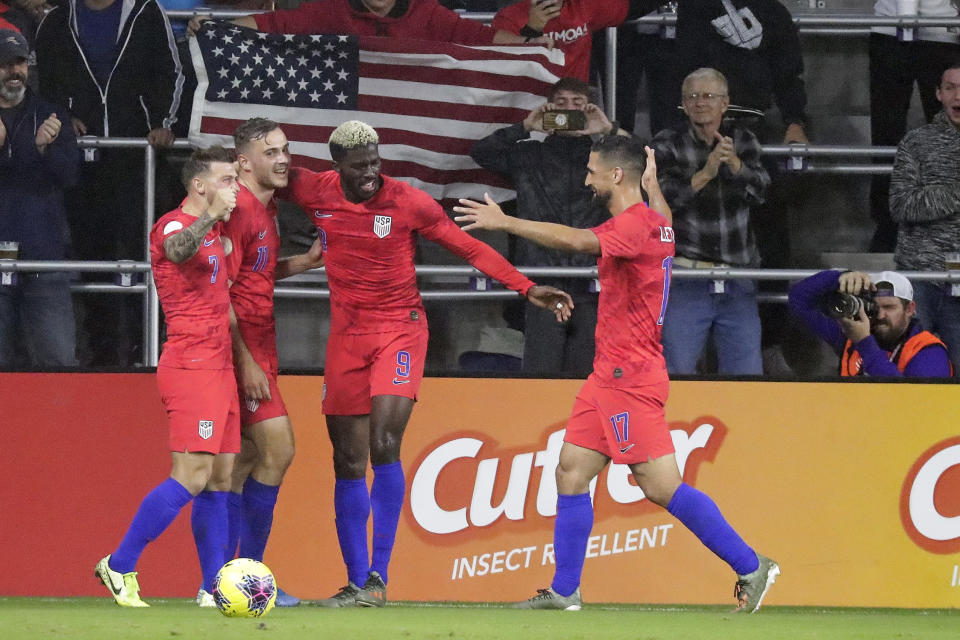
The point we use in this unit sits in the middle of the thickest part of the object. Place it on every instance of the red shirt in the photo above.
(636, 258)
(572, 31)
(369, 249)
(424, 20)
(194, 297)
(254, 231)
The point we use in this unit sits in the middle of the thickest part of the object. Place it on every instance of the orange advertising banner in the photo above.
(853, 488)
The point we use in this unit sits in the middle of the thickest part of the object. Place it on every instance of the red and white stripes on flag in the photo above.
(428, 101)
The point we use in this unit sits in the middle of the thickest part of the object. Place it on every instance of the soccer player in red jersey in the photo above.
(369, 224)
(619, 413)
(267, 447)
(194, 375)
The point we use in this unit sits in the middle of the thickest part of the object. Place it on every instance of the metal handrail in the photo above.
(152, 322)
(464, 271)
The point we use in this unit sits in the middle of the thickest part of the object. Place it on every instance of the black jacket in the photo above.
(548, 177)
(760, 55)
(32, 184)
(143, 90)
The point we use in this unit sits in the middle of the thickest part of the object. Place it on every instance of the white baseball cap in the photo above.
(885, 281)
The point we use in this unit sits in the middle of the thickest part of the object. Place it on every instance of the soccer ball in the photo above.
(244, 588)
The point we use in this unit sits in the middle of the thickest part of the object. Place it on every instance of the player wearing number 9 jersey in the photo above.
(619, 412)
(195, 375)
(378, 336)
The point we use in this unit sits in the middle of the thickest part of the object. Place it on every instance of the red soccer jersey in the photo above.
(253, 229)
(572, 30)
(636, 257)
(194, 297)
(423, 20)
(369, 249)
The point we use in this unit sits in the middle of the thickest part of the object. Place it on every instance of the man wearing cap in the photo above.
(38, 161)
(891, 343)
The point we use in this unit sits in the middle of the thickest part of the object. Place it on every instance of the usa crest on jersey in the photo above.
(205, 429)
(381, 226)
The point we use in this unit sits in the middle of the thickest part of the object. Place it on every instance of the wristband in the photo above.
(614, 127)
(530, 32)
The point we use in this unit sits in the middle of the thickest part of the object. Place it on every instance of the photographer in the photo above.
(869, 321)
(548, 174)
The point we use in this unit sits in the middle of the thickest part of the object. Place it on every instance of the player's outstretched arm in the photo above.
(252, 383)
(488, 215)
(553, 299)
(312, 259)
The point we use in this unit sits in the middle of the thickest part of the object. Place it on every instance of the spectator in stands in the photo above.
(895, 66)
(570, 23)
(424, 19)
(711, 176)
(113, 64)
(756, 45)
(880, 339)
(38, 160)
(925, 203)
(23, 15)
(549, 178)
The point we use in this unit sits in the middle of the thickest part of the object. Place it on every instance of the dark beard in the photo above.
(603, 199)
(888, 344)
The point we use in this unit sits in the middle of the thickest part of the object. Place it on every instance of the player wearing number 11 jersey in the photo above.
(619, 413)
(195, 375)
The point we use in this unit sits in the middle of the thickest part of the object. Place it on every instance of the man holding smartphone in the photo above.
(548, 174)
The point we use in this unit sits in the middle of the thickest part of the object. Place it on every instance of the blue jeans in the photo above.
(693, 311)
(37, 313)
(939, 312)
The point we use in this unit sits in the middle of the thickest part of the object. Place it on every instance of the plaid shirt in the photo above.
(714, 223)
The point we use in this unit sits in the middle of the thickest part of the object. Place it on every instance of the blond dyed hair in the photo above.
(350, 135)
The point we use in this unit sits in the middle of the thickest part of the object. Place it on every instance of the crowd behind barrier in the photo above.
(798, 158)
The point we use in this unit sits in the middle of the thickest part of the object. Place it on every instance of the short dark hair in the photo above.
(574, 85)
(252, 129)
(953, 63)
(626, 152)
(200, 161)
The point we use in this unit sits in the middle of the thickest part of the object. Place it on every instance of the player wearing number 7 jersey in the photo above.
(194, 375)
(619, 413)
(378, 336)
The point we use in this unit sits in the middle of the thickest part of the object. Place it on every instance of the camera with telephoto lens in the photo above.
(847, 305)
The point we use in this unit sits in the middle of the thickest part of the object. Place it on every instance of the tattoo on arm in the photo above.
(184, 245)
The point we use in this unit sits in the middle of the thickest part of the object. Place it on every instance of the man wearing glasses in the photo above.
(711, 176)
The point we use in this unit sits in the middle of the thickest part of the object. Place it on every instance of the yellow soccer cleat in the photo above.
(122, 586)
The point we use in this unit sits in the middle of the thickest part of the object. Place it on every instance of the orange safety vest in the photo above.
(851, 364)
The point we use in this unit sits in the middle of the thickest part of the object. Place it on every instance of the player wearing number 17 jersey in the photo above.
(619, 413)
(378, 336)
(195, 375)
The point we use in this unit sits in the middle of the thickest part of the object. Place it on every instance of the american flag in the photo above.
(428, 101)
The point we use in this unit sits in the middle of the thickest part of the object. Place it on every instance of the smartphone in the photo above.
(564, 120)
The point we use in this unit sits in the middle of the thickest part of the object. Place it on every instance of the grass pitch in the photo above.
(99, 618)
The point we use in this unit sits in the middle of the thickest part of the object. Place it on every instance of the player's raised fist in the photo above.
(223, 203)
